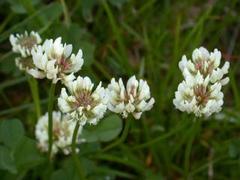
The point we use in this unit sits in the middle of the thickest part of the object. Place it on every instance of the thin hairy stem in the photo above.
(76, 160)
(50, 120)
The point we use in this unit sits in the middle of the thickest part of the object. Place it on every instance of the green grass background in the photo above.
(121, 38)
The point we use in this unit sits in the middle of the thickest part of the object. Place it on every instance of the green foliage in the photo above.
(6, 160)
(17, 152)
(107, 129)
(11, 132)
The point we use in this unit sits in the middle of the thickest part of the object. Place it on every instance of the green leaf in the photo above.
(59, 175)
(7, 160)
(234, 149)
(106, 130)
(89, 148)
(11, 132)
(68, 170)
(27, 154)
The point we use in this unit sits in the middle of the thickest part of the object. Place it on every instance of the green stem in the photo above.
(65, 12)
(76, 160)
(122, 138)
(50, 121)
(193, 133)
(35, 94)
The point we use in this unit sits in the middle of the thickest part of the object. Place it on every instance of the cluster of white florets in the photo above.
(79, 101)
(133, 99)
(52, 59)
(63, 130)
(82, 102)
(23, 44)
(200, 92)
(55, 60)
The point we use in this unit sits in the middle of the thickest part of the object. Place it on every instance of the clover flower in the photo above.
(62, 133)
(134, 99)
(24, 43)
(200, 91)
(207, 64)
(56, 60)
(83, 104)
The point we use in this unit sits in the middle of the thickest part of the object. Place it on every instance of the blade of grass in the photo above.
(233, 70)
(123, 161)
(187, 156)
(117, 33)
(5, 98)
(205, 166)
(6, 56)
(102, 69)
(179, 127)
(67, 19)
(115, 172)
(6, 20)
(13, 82)
(20, 108)
(22, 24)
(148, 5)
(201, 21)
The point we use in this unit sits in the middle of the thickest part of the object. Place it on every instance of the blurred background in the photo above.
(120, 38)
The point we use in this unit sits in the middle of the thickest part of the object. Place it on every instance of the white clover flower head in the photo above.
(134, 99)
(207, 64)
(26, 64)
(56, 60)
(200, 91)
(63, 130)
(82, 103)
(24, 43)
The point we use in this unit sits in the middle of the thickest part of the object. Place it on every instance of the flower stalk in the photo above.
(76, 160)
(192, 135)
(35, 95)
(50, 120)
